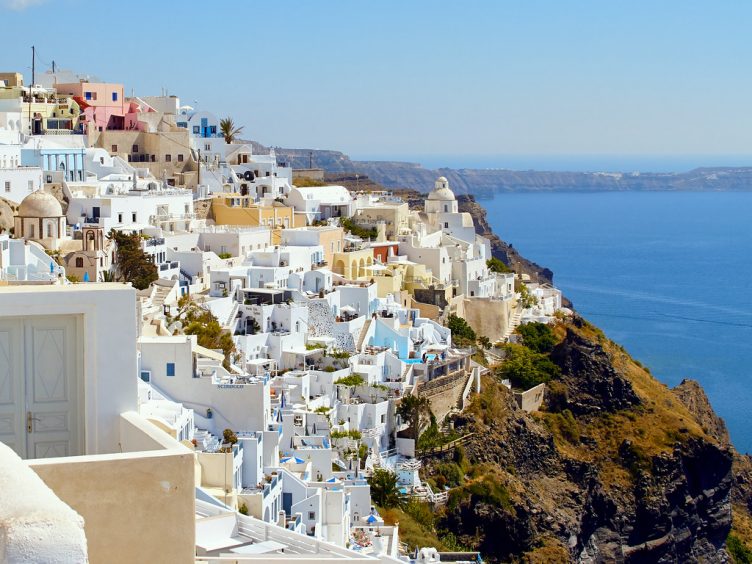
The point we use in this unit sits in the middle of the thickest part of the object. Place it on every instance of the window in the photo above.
(114, 149)
(196, 129)
(213, 129)
(114, 96)
(383, 418)
(146, 375)
(446, 208)
(120, 218)
(168, 158)
(207, 147)
(311, 515)
(133, 217)
(446, 225)
(49, 230)
(49, 178)
(31, 185)
(7, 185)
(88, 95)
(134, 149)
(180, 158)
(79, 262)
(171, 369)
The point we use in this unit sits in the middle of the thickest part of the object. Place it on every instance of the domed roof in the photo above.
(40, 204)
(441, 191)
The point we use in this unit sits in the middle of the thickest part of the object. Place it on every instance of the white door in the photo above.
(40, 375)
(12, 400)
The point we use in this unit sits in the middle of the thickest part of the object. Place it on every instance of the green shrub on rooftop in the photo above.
(351, 380)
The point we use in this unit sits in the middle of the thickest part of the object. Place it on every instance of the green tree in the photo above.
(228, 129)
(201, 322)
(484, 342)
(538, 337)
(526, 298)
(496, 265)
(414, 410)
(132, 264)
(384, 489)
(526, 368)
(462, 333)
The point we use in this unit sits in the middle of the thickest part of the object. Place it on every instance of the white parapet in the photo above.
(35, 525)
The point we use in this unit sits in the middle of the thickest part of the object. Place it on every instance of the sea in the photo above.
(667, 275)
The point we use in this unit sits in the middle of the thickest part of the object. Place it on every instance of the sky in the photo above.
(424, 79)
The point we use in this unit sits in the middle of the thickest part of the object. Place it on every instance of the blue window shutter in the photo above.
(171, 369)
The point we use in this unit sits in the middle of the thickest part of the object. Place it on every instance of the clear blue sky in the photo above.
(423, 77)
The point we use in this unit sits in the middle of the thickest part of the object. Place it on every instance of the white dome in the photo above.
(441, 191)
(40, 204)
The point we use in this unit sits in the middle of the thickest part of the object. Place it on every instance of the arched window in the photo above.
(49, 230)
(79, 262)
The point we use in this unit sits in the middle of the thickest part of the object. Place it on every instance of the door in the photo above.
(12, 430)
(41, 387)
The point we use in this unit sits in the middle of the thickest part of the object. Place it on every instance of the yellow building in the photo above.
(353, 264)
(234, 209)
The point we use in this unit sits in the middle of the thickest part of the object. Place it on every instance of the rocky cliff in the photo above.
(487, 182)
(617, 469)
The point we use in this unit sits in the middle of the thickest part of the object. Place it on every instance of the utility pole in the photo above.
(31, 86)
(198, 180)
(310, 159)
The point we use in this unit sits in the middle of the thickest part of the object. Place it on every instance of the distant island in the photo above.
(487, 182)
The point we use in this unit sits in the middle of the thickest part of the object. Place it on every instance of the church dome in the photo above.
(40, 204)
(441, 191)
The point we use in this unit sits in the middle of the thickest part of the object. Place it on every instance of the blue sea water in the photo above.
(667, 275)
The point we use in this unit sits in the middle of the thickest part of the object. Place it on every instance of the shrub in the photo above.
(738, 550)
(526, 368)
(461, 330)
(538, 337)
(496, 265)
(351, 380)
(564, 425)
(224, 255)
(452, 473)
(352, 434)
(349, 225)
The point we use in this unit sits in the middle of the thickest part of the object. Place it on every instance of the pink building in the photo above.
(103, 105)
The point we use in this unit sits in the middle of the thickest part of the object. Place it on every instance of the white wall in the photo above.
(109, 330)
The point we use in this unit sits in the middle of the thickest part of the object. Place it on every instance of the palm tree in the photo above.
(228, 129)
(384, 489)
(413, 409)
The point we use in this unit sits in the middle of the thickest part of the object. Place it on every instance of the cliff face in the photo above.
(487, 182)
(617, 471)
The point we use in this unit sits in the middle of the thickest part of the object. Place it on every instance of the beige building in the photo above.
(394, 215)
(163, 148)
(93, 259)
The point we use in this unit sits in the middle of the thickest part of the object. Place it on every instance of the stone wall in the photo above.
(488, 317)
(444, 393)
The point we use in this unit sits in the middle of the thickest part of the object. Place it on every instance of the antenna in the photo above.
(53, 67)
